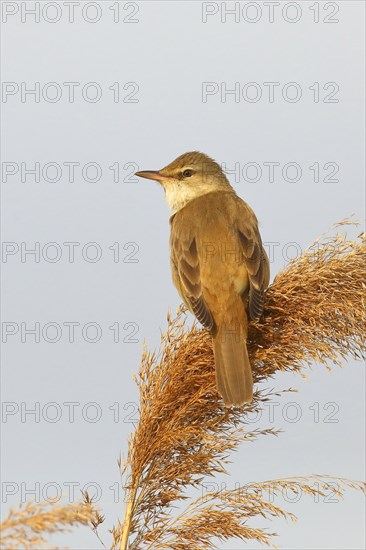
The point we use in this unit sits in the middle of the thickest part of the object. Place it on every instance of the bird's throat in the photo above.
(178, 195)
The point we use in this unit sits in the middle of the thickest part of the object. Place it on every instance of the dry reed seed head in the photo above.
(29, 526)
(313, 312)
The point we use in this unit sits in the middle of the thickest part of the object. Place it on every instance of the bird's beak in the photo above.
(152, 175)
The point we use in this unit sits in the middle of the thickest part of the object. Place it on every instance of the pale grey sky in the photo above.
(144, 83)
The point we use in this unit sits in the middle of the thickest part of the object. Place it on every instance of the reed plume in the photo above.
(28, 526)
(314, 312)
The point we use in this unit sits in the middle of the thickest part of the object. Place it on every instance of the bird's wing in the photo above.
(255, 258)
(186, 274)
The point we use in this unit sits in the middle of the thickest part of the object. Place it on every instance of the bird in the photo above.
(218, 263)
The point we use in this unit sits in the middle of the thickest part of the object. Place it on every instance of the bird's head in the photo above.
(189, 176)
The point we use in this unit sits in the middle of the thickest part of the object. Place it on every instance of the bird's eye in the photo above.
(187, 173)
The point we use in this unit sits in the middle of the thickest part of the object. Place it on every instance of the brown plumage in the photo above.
(219, 265)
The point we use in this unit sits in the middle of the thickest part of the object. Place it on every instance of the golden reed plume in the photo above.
(28, 527)
(314, 312)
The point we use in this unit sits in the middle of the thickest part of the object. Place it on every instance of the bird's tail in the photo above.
(233, 371)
